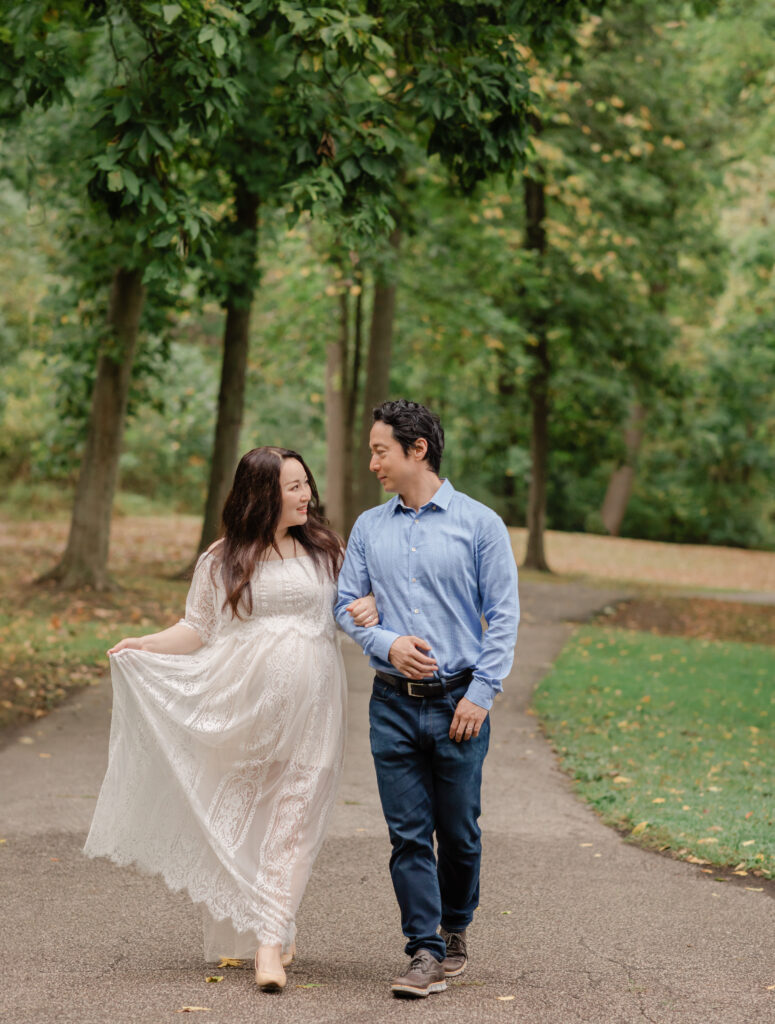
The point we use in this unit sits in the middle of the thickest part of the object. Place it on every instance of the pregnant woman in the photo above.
(227, 735)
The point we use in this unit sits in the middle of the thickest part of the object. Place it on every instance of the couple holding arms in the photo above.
(228, 728)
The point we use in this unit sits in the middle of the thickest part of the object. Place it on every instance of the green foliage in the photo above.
(672, 732)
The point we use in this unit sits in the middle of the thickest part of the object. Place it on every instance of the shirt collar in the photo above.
(440, 499)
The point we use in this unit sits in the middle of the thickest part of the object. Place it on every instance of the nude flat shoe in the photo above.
(286, 959)
(270, 981)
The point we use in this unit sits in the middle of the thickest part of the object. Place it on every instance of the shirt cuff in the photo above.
(383, 641)
(480, 693)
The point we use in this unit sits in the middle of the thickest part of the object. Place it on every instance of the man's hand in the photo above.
(364, 611)
(467, 721)
(406, 655)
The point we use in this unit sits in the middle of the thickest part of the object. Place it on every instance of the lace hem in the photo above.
(241, 922)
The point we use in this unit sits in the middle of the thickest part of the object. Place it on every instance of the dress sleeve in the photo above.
(203, 611)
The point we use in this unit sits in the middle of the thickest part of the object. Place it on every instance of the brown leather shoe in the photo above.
(425, 975)
(457, 954)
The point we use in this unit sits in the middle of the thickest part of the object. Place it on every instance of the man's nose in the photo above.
(374, 464)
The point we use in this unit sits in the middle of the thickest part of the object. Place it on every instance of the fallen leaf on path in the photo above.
(586, 844)
(770, 988)
(214, 978)
(742, 874)
(228, 961)
(506, 912)
(640, 827)
(750, 888)
(505, 999)
(26, 739)
(44, 755)
(193, 1009)
(312, 984)
(695, 860)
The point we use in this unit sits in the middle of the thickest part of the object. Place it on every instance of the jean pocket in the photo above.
(383, 691)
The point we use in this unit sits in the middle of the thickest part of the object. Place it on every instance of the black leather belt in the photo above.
(426, 687)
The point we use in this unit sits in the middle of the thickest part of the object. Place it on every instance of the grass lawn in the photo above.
(670, 739)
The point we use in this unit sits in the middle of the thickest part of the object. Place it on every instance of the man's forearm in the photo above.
(375, 640)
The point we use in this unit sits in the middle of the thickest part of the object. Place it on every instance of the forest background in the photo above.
(234, 224)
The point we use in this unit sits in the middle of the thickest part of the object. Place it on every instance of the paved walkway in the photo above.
(574, 924)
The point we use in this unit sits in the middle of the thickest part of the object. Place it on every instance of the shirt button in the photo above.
(417, 611)
(414, 579)
(433, 507)
(414, 549)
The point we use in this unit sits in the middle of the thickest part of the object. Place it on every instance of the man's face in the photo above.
(393, 469)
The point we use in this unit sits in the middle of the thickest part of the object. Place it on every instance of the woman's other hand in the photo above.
(364, 611)
(178, 639)
(129, 643)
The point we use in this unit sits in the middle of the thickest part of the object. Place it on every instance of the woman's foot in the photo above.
(286, 959)
(270, 976)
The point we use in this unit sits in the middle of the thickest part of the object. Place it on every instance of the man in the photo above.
(436, 562)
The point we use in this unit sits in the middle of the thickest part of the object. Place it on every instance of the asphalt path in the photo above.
(574, 924)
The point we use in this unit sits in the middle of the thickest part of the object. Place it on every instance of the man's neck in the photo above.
(420, 491)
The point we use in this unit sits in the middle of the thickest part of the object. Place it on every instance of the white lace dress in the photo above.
(224, 763)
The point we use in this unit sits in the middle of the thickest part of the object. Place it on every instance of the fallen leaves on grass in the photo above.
(640, 828)
(704, 618)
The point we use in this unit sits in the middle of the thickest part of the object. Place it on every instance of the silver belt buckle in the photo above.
(410, 689)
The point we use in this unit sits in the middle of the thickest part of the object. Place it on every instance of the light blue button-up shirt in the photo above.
(434, 574)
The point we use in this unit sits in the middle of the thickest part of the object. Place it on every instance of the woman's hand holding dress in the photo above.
(178, 639)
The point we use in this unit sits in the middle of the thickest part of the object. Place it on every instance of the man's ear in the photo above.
(420, 449)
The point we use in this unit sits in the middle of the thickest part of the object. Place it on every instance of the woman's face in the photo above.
(296, 493)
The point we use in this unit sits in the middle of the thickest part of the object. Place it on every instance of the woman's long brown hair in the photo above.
(250, 517)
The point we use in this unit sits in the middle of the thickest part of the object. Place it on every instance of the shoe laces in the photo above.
(420, 961)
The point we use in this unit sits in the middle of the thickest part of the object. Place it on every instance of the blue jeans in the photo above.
(428, 782)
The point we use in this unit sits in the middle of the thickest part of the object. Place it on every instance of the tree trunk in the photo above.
(85, 560)
(377, 385)
(236, 344)
(538, 388)
(535, 557)
(351, 492)
(619, 489)
(336, 422)
(511, 511)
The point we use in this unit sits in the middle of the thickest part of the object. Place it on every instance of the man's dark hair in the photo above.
(411, 421)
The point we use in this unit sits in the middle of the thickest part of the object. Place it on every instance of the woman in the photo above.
(227, 735)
